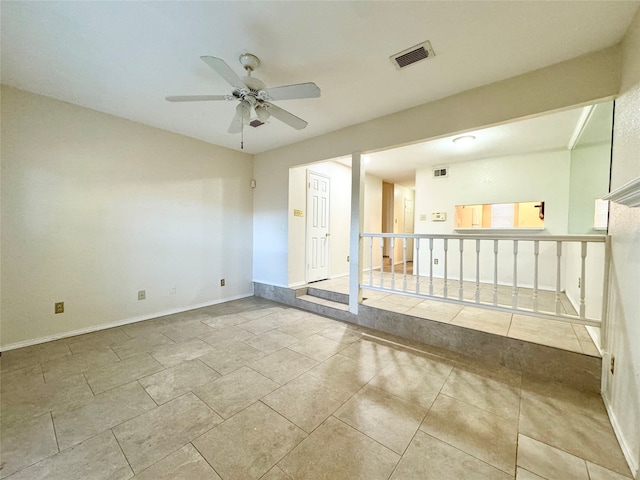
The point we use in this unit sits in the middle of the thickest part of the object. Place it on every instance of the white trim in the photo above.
(505, 230)
(626, 451)
(126, 321)
(628, 194)
(585, 115)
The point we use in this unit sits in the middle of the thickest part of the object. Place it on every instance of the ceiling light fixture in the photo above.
(464, 141)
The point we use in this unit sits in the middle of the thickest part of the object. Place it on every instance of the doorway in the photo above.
(317, 237)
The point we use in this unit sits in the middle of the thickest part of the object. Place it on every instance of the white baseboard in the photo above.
(626, 451)
(119, 323)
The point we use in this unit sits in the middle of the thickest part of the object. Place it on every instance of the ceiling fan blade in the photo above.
(199, 98)
(291, 92)
(224, 70)
(285, 117)
(236, 124)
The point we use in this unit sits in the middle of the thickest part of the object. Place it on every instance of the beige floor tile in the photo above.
(183, 464)
(546, 332)
(262, 324)
(484, 320)
(275, 474)
(223, 335)
(225, 320)
(271, 341)
(306, 401)
(344, 373)
(22, 378)
(186, 331)
(141, 344)
(256, 313)
(317, 347)
(147, 327)
(484, 390)
(234, 392)
(337, 451)
(522, 474)
(173, 354)
(99, 357)
(151, 436)
(30, 356)
(587, 436)
(122, 372)
(562, 397)
(36, 397)
(428, 458)
(596, 472)
(482, 434)
(374, 353)
(230, 356)
(249, 444)
(549, 462)
(383, 417)
(342, 333)
(175, 381)
(415, 383)
(26, 442)
(283, 365)
(588, 348)
(300, 328)
(98, 458)
(102, 338)
(100, 413)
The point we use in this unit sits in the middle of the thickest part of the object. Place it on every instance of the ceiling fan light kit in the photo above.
(253, 95)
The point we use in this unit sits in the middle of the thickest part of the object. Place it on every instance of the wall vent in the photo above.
(256, 123)
(413, 55)
(441, 172)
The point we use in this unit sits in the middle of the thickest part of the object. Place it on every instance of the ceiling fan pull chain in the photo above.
(242, 136)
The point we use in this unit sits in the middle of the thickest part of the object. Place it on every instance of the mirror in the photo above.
(500, 215)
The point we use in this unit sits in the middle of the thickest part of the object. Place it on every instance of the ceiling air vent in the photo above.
(256, 123)
(413, 55)
(440, 172)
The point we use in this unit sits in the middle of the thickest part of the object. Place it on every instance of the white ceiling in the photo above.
(123, 58)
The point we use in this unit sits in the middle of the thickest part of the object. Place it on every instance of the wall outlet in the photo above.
(347, 258)
(613, 364)
(222, 282)
(59, 307)
(579, 282)
(142, 294)
(435, 261)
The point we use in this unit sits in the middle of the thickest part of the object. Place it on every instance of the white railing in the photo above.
(527, 277)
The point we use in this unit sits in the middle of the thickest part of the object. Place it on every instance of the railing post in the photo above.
(446, 287)
(536, 253)
(495, 272)
(381, 262)
(417, 265)
(460, 287)
(514, 291)
(477, 270)
(404, 264)
(430, 266)
(558, 274)
(371, 260)
(393, 263)
(583, 280)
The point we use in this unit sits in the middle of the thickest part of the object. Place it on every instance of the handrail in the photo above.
(482, 236)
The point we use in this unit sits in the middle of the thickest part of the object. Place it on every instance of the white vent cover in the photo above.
(441, 172)
(412, 55)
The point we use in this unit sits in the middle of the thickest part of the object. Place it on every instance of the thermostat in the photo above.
(438, 216)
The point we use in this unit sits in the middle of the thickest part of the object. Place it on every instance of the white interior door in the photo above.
(318, 233)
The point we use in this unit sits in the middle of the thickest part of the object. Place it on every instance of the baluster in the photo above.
(393, 263)
(431, 266)
(514, 291)
(583, 280)
(416, 265)
(536, 252)
(495, 272)
(446, 287)
(477, 271)
(460, 287)
(371, 260)
(404, 264)
(558, 274)
(381, 261)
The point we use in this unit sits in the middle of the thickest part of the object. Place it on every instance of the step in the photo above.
(324, 302)
(328, 295)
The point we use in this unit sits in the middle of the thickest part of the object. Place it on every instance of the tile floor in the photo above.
(563, 335)
(253, 390)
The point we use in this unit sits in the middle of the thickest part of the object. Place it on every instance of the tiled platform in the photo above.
(566, 336)
(251, 389)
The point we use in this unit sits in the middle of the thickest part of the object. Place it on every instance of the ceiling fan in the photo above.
(252, 94)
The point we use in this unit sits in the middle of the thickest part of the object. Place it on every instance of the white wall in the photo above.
(95, 208)
(536, 92)
(622, 390)
(519, 178)
(339, 217)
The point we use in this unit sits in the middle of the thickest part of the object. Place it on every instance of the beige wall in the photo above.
(579, 81)
(95, 208)
(622, 390)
